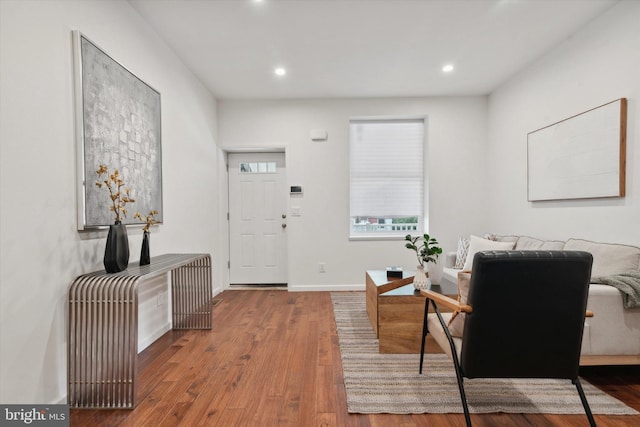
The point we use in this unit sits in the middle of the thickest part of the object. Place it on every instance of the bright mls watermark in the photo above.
(37, 415)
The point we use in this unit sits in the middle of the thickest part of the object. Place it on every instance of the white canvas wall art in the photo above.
(118, 125)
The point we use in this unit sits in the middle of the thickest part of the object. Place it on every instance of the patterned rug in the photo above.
(390, 383)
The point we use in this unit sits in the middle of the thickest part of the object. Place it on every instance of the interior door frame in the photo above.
(225, 217)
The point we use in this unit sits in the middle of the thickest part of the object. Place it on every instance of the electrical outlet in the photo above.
(161, 299)
(322, 267)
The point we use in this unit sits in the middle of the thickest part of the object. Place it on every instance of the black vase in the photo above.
(144, 253)
(116, 253)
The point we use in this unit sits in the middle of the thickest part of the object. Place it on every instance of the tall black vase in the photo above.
(116, 253)
(145, 259)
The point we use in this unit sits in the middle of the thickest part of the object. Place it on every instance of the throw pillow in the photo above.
(504, 238)
(478, 244)
(461, 253)
(608, 258)
(456, 323)
(526, 243)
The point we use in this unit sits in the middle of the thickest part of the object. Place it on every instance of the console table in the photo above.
(103, 325)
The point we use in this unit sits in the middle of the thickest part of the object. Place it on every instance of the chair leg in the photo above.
(463, 396)
(583, 398)
(456, 365)
(424, 332)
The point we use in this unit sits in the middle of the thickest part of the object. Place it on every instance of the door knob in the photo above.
(284, 216)
(284, 225)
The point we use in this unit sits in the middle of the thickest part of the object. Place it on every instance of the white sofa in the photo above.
(612, 335)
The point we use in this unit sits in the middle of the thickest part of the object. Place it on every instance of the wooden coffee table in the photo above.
(396, 312)
(377, 283)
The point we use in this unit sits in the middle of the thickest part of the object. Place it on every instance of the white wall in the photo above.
(456, 138)
(41, 251)
(598, 64)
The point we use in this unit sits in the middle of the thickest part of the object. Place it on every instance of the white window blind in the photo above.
(386, 174)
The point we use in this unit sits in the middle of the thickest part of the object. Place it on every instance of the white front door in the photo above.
(257, 218)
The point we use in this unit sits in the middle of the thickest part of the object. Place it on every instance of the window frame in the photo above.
(422, 224)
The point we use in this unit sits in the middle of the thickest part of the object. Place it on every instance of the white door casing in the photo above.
(257, 218)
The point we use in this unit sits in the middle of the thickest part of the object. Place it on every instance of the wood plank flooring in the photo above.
(272, 359)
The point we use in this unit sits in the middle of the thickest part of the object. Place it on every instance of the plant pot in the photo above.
(421, 279)
(116, 252)
(145, 259)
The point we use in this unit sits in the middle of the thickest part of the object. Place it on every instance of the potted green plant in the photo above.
(427, 250)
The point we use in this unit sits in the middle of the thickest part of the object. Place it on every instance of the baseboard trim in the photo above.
(329, 288)
(152, 337)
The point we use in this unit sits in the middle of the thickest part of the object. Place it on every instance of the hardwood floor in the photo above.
(272, 359)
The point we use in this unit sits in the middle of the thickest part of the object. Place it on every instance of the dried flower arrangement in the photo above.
(149, 220)
(114, 184)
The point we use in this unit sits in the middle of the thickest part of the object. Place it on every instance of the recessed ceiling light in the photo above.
(280, 71)
(447, 68)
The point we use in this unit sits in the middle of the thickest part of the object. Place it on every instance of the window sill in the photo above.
(382, 237)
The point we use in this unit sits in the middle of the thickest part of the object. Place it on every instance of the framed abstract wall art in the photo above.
(118, 125)
(581, 157)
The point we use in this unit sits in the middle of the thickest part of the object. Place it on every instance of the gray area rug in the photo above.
(390, 383)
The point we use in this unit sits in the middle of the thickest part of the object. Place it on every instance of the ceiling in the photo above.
(362, 48)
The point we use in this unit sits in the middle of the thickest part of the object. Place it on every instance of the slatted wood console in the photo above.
(103, 325)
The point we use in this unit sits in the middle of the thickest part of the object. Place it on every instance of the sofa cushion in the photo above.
(525, 243)
(608, 258)
(478, 244)
(438, 334)
(461, 253)
(456, 323)
(499, 238)
(450, 274)
(613, 330)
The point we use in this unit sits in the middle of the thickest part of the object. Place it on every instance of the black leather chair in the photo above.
(524, 318)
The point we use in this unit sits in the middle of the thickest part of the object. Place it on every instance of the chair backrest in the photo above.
(528, 314)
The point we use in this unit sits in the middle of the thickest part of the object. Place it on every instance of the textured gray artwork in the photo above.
(120, 129)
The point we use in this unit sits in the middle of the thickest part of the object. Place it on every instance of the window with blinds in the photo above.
(386, 177)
